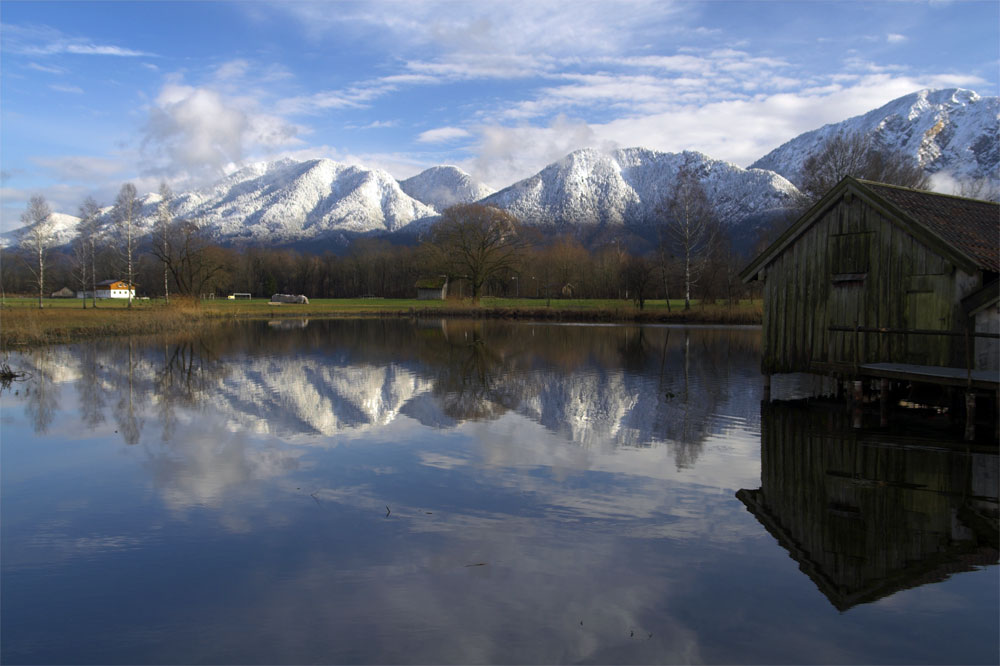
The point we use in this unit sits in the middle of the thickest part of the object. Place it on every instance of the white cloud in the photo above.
(376, 124)
(76, 90)
(737, 130)
(515, 27)
(45, 41)
(82, 167)
(507, 154)
(443, 135)
(196, 130)
(46, 68)
(895, 38)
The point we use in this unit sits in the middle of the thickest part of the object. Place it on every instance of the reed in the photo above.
(20, 327)
(22, 324)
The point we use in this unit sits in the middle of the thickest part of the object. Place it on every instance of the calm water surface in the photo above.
(397, 492)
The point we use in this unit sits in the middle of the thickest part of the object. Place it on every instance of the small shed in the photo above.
(432, 288)
(65, 292)
(877, 274)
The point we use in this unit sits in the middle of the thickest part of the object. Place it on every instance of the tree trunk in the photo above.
(41, 274)
(687, 280)
(129, 251)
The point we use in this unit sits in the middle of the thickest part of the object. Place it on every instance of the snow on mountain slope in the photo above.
(286, 201)
(444, 186)
(63, 230)
(624, 187)
(951, 131)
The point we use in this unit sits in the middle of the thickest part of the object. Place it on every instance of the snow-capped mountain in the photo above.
(63, 228)
(624, 188)
(954, 132)
(288, 201)
(274, 203)
(444, 186)
(951, 132)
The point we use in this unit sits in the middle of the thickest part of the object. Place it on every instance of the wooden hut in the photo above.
(870, 282)
(432, 288)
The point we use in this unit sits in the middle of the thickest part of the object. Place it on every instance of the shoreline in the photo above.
(22, 326)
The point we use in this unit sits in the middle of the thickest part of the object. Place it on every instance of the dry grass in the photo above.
(23, 324)
(26, 326)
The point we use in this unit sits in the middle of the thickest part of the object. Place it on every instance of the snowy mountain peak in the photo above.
(624, 187)
(287, 201)
(952, 131)
(444, 186)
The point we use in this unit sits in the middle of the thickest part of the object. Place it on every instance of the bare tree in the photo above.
(857, 155)
(690, 226)
(88, 235)
(126, 214)
(664, 261)
(79, 267)
(161, 234)
(639, 273)
(475, 242)
(192, 261)
(986, 189)
(37, 237)
(4, 276)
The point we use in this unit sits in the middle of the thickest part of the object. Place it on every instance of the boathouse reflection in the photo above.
(869, 514)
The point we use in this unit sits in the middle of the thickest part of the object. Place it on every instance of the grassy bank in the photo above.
(23, 324)
(64, 320)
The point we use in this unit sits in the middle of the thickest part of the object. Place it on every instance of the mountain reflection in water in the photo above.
(395, 491)
(618, 386)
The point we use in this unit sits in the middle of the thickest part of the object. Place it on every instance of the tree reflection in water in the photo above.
(619, 386)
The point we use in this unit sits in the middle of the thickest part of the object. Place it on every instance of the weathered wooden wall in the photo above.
(854, 266)
(987, 355)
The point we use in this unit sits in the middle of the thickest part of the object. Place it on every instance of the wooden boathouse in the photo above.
(883, 282)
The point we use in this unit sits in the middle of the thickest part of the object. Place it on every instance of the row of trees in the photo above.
(688, 255)
(188, 261)
(483, 250)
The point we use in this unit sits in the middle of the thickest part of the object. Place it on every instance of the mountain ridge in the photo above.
(950, 131)
(285, 202)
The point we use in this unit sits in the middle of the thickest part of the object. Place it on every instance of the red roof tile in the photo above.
(971, 226)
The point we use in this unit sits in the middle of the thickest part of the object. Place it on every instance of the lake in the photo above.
(394, 491)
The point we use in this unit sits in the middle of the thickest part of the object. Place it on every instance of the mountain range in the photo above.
(319, 202)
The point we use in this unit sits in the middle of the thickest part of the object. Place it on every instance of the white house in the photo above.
(110, 289)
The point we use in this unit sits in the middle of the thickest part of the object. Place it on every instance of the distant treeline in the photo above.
(545, 267)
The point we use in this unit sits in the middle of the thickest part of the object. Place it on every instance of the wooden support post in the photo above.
(883, 402)
(767, 387)
(970, 415)
(859, 395)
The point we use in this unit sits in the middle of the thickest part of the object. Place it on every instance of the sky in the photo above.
(93, 95)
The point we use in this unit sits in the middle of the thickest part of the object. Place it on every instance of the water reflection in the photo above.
(557, 494)
(622, 386)
(868, 515)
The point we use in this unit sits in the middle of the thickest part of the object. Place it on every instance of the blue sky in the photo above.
(96, 94)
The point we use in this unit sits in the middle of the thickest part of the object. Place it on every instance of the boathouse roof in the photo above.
(965, 230)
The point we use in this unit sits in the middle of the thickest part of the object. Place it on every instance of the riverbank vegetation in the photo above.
(63, 320)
